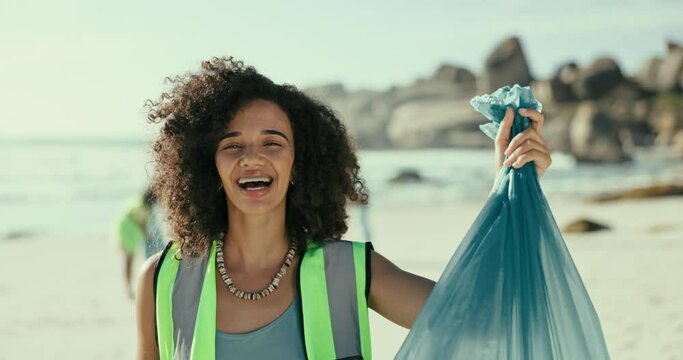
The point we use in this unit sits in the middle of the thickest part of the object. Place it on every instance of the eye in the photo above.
(231, 146)
(272, 144)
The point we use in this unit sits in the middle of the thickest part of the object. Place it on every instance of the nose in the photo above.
(251, 156)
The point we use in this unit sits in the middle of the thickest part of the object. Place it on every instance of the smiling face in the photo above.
(254, 158)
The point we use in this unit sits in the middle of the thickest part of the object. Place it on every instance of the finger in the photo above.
(528, 134)
(524, 151)
(525, 147)
(538, 157)
(503, 135)
(537, 119)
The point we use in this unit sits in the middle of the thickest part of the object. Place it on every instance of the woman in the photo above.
(255, 177)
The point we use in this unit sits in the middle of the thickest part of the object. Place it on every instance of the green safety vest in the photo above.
(333, 290)
(130, 230)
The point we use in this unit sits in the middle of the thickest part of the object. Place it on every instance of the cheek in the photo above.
(223, 165)
(286, 164)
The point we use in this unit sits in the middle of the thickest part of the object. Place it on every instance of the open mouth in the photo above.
(255, 183)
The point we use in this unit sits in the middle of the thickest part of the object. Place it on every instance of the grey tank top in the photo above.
(281, 339)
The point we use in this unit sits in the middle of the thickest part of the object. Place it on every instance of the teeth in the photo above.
(254, 179)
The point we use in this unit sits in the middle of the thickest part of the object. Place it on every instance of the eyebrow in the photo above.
(264, 132)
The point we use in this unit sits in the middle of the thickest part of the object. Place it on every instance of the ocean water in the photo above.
(81, 186)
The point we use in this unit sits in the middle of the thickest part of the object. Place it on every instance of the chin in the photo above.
(257, 208)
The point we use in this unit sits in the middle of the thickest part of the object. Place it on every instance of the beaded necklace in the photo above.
(256, 295)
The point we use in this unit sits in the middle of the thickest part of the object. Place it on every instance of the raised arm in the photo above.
(146, 311)
(396, 294)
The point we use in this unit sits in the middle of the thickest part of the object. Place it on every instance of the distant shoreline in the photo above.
(74, 141)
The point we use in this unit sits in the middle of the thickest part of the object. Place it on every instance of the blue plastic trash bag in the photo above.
(511, 290)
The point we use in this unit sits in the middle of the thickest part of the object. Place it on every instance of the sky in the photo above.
(83, 69)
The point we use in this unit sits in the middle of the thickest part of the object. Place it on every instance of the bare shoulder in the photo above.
(381, 266)
(396, 294)
(385, 272)
(144, 298)
(146, 274)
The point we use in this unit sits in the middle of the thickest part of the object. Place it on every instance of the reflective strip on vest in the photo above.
(186, 304)
(335, 320)
(338, 335)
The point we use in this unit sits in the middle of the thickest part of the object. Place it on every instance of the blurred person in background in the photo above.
(256, 178)
(140, 229)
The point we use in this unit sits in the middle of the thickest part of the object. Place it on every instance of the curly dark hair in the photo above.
(196, 112)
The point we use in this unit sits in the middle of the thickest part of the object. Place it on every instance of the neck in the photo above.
(255, 242)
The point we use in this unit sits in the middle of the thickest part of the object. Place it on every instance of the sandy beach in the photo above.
(62, 295)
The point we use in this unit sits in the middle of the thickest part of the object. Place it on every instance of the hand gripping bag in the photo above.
(511, 290)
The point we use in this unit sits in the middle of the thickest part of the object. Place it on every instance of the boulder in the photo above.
(561, 82)
(421, 123)
(16, 235)
(627, 89)
(584, 226)
(506, 65)
(364, 112)
(654, 191)
(622, 100)
(367, 114)
(634, 135)
(407, 176)
(647, 76)
(597, 79)
(627, 103)
(430, 89)
(666, 121)
(455, 75)
(666, 117)
(556, 132)
(671, 46)
(677, 143)
(666, 124)
(594, 137)
(542, 91)
(670, 70)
